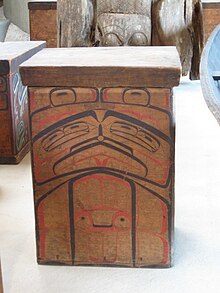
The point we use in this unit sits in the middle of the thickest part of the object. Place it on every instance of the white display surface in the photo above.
(197, 220)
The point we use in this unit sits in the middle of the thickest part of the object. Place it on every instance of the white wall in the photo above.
(17, 12)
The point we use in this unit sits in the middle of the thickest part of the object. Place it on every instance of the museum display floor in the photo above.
(197, 220)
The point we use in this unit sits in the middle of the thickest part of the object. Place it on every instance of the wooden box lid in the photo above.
(42, 5)
(101, 67)
(211, 4)
(12, 54)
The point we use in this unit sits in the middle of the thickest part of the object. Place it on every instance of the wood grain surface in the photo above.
(42, 5)
(103, 169)
(211, 16)
(134, 66)
(14, 126)
(12, 54)
(43, 24)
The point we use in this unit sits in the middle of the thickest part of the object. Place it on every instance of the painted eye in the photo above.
(83, 221)
(76, 127)
(49, 141)
(121, 222)
(120, 127)
(136, 97)
(62, 97)
(152, 144)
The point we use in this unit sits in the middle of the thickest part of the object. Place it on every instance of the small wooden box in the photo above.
(211, 16)
(102, 135)
(14, 126)
(43, 21)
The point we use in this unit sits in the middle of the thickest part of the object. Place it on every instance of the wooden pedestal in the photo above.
(211, 16)
(43, 21)
(103, 154)
(14, 126)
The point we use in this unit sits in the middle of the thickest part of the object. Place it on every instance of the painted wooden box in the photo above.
(211, 16)
(102, 134)
(14, 126)
(43, 21)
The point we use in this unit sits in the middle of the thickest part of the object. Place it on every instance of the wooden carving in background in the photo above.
(75, 22)
(103, 175)
(134, 22)
(180, 23)
(121, 23)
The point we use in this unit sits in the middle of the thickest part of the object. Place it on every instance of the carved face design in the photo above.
(101, 161)
(103, 133)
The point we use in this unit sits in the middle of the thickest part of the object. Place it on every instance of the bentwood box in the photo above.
(14, 125)
(102, 133)
(43, 21)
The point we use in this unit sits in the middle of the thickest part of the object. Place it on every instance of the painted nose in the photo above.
(100, 115)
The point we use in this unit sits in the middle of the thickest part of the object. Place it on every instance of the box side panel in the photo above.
(43, 26)
(103, 175)
(5, 118)
(19, 110)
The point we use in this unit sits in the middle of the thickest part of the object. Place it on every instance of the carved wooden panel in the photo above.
(14, 126)
(123, 23)
(103, 166)
(19, 112)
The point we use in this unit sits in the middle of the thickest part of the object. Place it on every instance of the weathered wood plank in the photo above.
(120, 23)
(181, 27)
(74, 22)
(135, 66)
(42, 5)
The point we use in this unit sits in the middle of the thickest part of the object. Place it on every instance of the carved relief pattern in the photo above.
(121, 24)
(103, 165)
(20, 113)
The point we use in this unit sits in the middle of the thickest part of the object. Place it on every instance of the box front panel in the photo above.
(103, 175)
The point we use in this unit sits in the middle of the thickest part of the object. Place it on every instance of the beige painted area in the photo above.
(17, 12)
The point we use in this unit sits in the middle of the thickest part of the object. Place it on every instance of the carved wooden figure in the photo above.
(14, 126)
(119, 23)
(134, 23)
(103, 154)
(180, 23)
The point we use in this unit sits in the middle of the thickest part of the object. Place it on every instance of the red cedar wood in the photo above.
(133, 66)
(211, 17)
(42, 5)
(12, 54)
